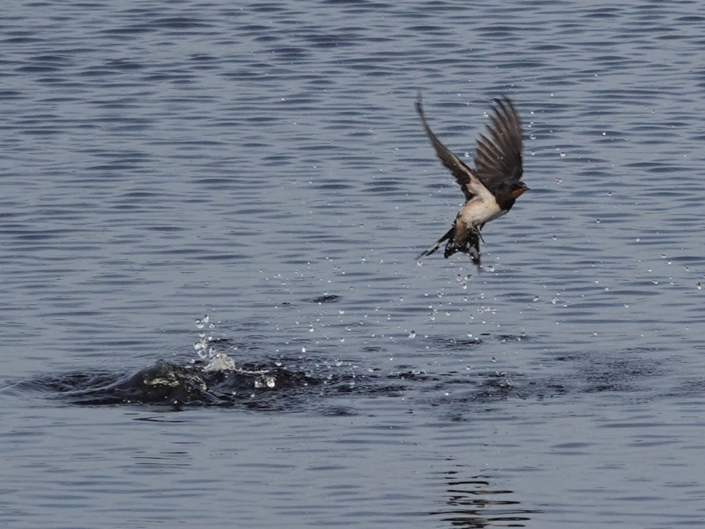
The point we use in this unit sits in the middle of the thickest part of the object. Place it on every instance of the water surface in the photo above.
(263, 165)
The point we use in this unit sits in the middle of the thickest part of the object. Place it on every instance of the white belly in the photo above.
(480, 210)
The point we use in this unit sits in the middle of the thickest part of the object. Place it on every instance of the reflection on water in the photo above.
(474, 503)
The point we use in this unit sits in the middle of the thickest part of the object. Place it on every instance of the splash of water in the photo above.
(217, 361)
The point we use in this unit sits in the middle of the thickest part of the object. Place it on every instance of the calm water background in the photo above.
(166, 160)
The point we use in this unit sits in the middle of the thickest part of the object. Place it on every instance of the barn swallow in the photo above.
(492, 187)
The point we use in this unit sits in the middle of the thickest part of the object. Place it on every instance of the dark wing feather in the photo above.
(462, 173)
(498, 155)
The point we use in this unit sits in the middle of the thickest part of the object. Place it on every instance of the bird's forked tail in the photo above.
(449, 234)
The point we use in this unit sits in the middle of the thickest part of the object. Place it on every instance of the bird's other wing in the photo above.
(498, 157)
(466, 178)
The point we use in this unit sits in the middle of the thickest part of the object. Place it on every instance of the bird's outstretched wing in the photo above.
(466, 178)
(498, 157)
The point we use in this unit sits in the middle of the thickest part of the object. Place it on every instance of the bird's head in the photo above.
(517, 189)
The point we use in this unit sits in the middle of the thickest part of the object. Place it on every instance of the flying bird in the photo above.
(492, 187)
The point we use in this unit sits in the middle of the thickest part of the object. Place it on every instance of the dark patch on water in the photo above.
(248, 386)
(296, 383)
(327, 298)
(265, 386)
(268, 386)
(623, 374)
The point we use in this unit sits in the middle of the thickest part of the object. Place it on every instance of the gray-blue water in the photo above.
(263, 165)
